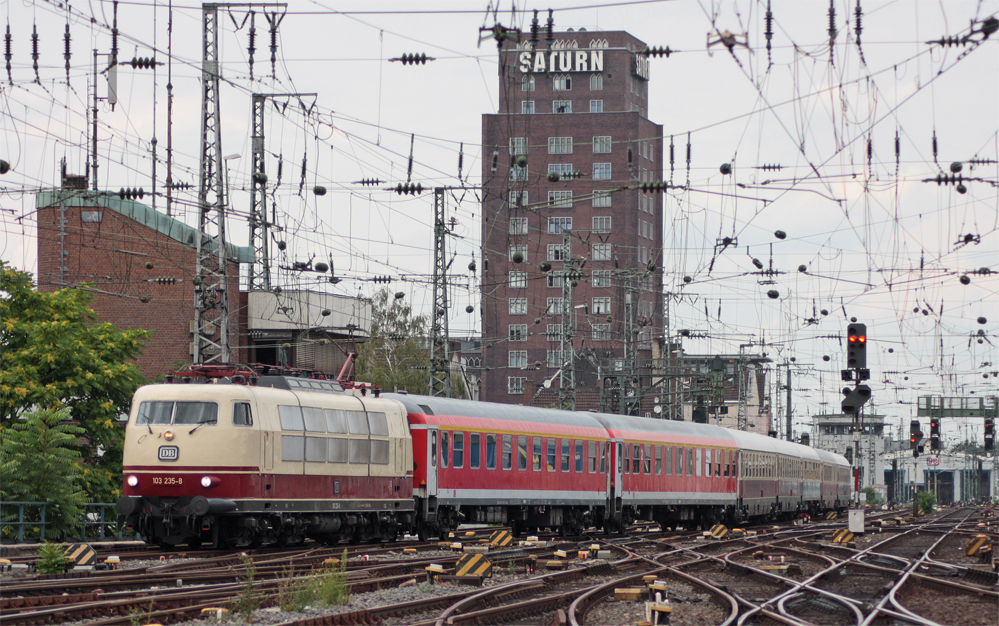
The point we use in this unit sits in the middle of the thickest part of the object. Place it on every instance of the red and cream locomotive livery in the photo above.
(288, 458)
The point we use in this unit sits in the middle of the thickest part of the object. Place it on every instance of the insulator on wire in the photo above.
(368, 182)
(769, 167)
(7, 41)
(832, 27)
(163, 281)
(550, 29)
(413, 59)
(948, 42)
(67, 52)
(34, 49)
(981, 161)
(407, 189)
(382, 279)
(251, 47)
(131, 194)
(144, 63)
(657, 52)
(534, 31)
(274, 20)
(656, 186)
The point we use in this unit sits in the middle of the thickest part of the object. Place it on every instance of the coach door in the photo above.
(433, 451)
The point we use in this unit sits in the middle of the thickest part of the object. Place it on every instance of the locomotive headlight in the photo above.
(132, 481)
(168, 435)
(210, 481)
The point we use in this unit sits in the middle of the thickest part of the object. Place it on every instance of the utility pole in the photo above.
(787, 409)
(440, 358)
(743, 418)
(567, 328)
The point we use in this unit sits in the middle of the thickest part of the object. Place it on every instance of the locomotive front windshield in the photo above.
(177, 413)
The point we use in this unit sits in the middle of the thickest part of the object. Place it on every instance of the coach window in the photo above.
(241, 415)
(690, 462)
(507, 452)
(627, 458)
(725, 460)
(579, 456)
(697, 461)
(336, 421)
(522, 452)
(536, 454)
(552, 461)
(291, 417)
(659, 460)
(433, 448)
(445, 448)
(315, 420)
(707, 462)
(459, 450)
(603, 457)
(679, 461)
(473, 450)
(565, 455)
(490, 451)
(648, 459)
(592, 450)
(636, 461)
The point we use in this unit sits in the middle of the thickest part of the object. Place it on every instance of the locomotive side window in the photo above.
(565, 455)
(379, 452)
(490, 451)
(592, 450)
(579, 456)
(378, 424)
(459, 450)
(315, 419)
(337, 450)
(291, 417)
(358, 422)
(522, 452)
(536, 457)
(360, 451)
(668, 461)
(507, 452)
(647, 460)
(444, 448)
(552, 462)
(292, 448)
(241, 415)
(473, 450)
(315, 449)
(659, 460)
(336, 421)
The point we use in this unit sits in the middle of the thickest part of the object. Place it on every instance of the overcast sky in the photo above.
(876, 241)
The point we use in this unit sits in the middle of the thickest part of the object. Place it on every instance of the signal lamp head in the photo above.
(132, 481)
(168, 435)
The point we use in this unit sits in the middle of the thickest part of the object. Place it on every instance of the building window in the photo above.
(517, 358)
(518, 280)
(518, 225)
(554, 280)
(601, 224)
(601, 252)
(596, 106)
(559, 251)
(555, 358)
(596, 82)
(601, 332)
(91, 217)
(560, 200)
(562, 82)
(602, 198)
(555, 306)
(554, 332)
(520, 173)
(519, 199)
(601, 306)
(561, 106)
(562, 169)
(514, 385)
(518, 306)
(527, 106)
(522, 250)
(518, 145)
(601, 171)
(528, 83)
(602, 145)
(518, 332)
(560, 145)
(557, 225)
(601, 278)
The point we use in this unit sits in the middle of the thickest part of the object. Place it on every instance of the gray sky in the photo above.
(877, 242)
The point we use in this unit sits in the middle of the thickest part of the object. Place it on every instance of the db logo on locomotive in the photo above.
(169, 453)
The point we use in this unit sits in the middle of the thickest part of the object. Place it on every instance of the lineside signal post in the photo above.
(854, 399)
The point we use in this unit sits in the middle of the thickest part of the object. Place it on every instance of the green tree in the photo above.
(56, 355)
(40, 462)
(926, 500)
(396, 357)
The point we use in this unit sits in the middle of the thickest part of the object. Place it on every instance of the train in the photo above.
(281, 459)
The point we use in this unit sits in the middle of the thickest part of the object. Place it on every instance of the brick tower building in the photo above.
(571, 248)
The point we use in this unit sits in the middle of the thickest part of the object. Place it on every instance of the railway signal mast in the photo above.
(854, 399)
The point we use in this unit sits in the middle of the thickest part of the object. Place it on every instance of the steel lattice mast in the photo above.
(440, 358)
(260, 271)
(211, 281)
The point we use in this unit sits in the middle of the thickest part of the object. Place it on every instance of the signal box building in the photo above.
(562, 161)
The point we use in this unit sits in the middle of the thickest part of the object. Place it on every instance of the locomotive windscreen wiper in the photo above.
(200, 424)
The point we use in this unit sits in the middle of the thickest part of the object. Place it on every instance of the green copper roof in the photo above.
(172, 228)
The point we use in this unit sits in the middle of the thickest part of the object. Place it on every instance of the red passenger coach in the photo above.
(495, 463)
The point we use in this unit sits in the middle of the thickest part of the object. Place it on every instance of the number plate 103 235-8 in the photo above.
(168, 481)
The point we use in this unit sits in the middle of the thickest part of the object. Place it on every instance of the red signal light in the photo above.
(852, 338)
(862, 339)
